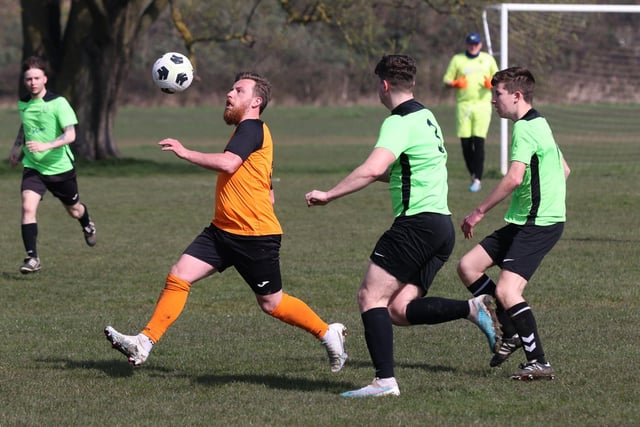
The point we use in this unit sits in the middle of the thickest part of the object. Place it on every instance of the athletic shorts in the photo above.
(415, 248)
(256, 258)
(521, 248)
(473, 119)
(63, 186)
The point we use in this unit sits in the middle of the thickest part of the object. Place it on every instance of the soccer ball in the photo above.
(172, 72)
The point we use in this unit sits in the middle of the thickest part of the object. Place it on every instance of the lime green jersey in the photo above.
(43, 120)
(475, 69)
(540, 198)
(418, 176)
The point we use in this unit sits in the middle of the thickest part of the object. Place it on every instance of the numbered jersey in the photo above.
(418, 177)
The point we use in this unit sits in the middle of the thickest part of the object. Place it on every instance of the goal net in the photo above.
(586, 61)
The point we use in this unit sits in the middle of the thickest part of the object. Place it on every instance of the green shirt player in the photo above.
(410, 155)
(48, 127)
(470, 74)
(536, 182)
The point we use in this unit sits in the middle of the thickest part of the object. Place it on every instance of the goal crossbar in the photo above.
(504, 9)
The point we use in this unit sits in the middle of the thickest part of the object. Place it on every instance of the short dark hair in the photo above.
(399, 70)
(516, 79)
(262, 88)
(35, 62)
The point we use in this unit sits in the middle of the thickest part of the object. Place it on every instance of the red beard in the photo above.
(234, 115)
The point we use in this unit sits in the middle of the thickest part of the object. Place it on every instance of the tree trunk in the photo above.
(91, 60)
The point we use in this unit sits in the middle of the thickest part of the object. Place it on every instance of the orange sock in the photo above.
(168, 308)
(296, 312)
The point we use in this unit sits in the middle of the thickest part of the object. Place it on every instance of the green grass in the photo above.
(226, 363)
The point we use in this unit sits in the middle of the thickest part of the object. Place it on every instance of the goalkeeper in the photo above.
(470, 74)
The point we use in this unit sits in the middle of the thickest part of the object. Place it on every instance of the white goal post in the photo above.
(504, 9)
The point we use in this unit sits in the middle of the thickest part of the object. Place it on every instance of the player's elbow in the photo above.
(230, 163)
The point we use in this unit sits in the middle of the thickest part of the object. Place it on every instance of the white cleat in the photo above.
(333, 341)
(379, 387)
(129, 345)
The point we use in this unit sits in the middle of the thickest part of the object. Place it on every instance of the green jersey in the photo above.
(540, 198)
(475, 69)
(418, 176)
(43, 120)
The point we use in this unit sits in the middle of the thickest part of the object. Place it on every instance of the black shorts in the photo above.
(63, 186)
(256, 258)
(521, 248)
(415, 248)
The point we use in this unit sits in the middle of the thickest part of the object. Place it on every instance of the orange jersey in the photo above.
(243, 203)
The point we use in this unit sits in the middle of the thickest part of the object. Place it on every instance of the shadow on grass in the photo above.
(280, 382)
(121, 369)
(284, 382)
(113, 368)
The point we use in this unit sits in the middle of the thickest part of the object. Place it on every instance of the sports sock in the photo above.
(434, 310)
(484, 285)
(29, 238)
(168, 308)
(84, 219)
(378, 333)
(296, 312)
(478, 156)
(526, 327)
(467, 153)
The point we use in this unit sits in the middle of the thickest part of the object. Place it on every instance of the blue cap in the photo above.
(473, 38)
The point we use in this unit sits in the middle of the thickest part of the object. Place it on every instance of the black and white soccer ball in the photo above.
(172, 72)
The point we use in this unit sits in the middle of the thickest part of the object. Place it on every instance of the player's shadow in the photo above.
(120, 369)
(275, 381)
(113, 368)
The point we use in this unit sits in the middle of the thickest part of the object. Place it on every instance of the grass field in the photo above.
(226, 363)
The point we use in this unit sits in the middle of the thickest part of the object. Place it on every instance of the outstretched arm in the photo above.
(227, 161)
(374, 168)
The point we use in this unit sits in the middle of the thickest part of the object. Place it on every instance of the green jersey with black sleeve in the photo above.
(43, 120)
(418, 176)
(540, 198)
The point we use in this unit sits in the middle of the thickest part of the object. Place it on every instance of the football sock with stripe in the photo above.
(525, 325)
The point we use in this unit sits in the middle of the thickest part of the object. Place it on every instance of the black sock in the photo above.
(378, 333)
(478, 156)
(29, 238)
(84, 219)
(525, 325)
(484, 285)
(434, 310)
(467, 153)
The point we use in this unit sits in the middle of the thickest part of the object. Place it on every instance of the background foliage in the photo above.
(332, 64)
